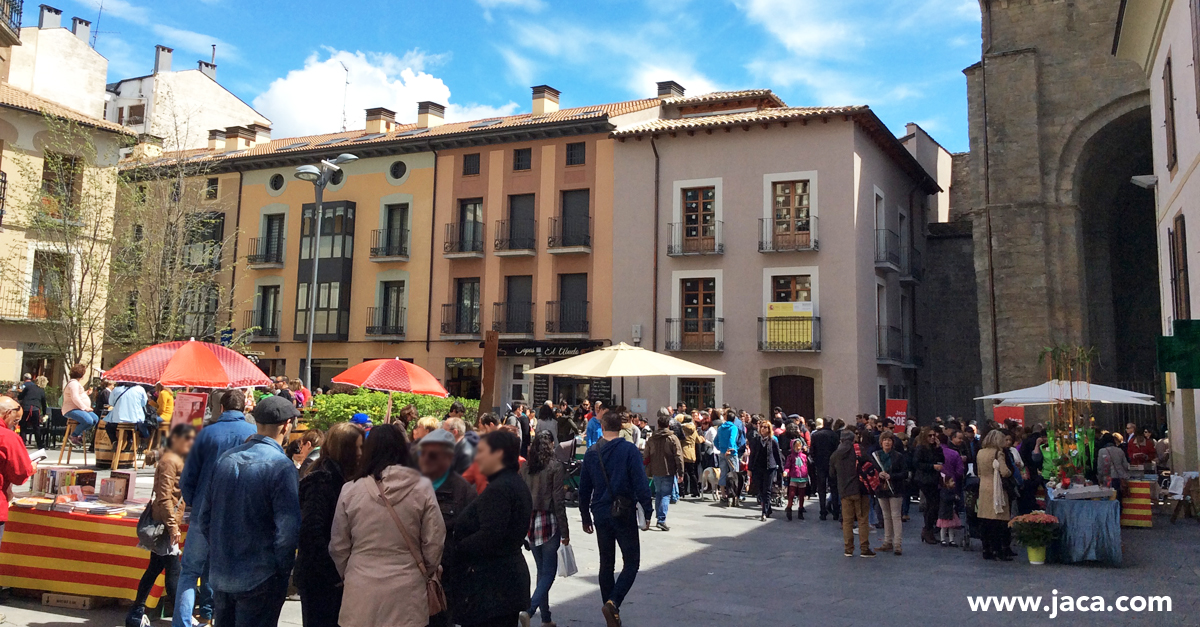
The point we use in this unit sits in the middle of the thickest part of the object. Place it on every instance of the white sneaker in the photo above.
(524, 618)
(146, 621)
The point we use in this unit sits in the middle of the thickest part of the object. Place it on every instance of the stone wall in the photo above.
(947, 308)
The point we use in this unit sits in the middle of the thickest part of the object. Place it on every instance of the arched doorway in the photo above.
(794, 394)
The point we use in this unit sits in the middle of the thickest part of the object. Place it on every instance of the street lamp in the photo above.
(319, 176)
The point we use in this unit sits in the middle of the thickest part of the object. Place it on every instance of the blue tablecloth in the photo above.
(1091, 530)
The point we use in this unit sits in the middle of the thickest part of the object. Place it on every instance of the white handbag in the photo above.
(566, 561)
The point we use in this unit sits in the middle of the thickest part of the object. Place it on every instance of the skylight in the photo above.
(294, 146)
(336, 140)
(370, 137)
(486, 123)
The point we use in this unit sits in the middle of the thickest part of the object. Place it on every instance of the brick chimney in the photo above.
(216, 139)
(262, 132)
(82, 28)
(670, 89)
(162, 59)
(208, 69)
(49, 17)
(545, 99)
(238, 138)
(380, 120)
(430, 114)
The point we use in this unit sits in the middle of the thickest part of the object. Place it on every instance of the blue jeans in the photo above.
(259, 607)
(188, 594)
(609, 535)
(674, 489)
(87, 421)
(662, 496)
(545, 556)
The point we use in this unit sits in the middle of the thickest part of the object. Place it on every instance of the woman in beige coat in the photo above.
(382, 583)
(993, 506)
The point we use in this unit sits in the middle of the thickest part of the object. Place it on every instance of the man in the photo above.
(281, 389)
(229, 430)
(453, 495)
(726, 445)
(664, 460)
(843, 470)
(681, 407)
(252, 521)
(824, 443)
(32, 399)
(15, 466)
(128, 408)
(464, 452)
(595, 432)
(546, 420)
(614, 468)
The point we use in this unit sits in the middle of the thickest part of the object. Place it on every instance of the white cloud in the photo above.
(309, 99)
(812, 28)
(527, 5)
(521, 70)
(196, 43)
(121, 9)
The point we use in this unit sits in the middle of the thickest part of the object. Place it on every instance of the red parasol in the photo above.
(188, 364)
(392, 375)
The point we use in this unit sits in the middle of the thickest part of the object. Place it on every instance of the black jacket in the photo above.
(319, 491)
(32, 396)
(822, 443)
(464, 454)
(453, 496)
(924, 458)
(489, 536)
(895, 485)
(764, 454)
(843, 467)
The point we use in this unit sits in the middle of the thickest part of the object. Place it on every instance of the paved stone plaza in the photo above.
(722, 567)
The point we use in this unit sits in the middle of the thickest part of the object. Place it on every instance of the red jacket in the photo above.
(1140, 454)
(15, 467)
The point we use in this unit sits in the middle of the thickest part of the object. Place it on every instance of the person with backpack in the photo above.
(844, 470)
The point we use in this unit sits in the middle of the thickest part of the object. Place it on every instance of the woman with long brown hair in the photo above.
(315, 574)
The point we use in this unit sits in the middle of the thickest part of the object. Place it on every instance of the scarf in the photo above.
(998, 495)
(885, 461)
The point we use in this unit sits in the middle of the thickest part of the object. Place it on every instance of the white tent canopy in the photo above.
(623, 360)
(1056, 391)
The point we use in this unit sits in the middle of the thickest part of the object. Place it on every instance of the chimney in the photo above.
(49, 17)
(380, 120)
(430, 114)
(238, 138)
(545, 99)
(162, 59)
(262, 132)
(670, 89)
(216, 139)
(82, 28)
(147, 147)
(208, 69)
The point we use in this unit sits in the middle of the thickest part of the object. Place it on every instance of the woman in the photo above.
(383, 584)
(928, 459)
(77, 406)
(993, 505)
(543, 475)
(765, 462)
(166, 508)
(299, 394)
(488, 535)
(1141, 449)
(893, 469)
(315, 573)
(691, 447)
(1111, 466)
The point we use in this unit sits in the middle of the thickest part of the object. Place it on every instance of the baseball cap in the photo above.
(360, 419)
(437, 436)
(274, 410)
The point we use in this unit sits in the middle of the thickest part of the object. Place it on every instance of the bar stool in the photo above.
(156, 439)
(124, 430)
(66, 442)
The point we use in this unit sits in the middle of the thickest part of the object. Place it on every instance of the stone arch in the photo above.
(815, 374)
(1066, 185)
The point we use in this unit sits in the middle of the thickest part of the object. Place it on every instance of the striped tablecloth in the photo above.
(74, 554)
(1135, 507)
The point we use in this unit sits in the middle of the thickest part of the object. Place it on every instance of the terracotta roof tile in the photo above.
(719, 120)
(20, 99)
(717, 96)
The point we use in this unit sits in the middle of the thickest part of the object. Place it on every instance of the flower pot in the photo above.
(1037, 554)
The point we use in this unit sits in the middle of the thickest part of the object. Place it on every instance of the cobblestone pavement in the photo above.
(720, 566)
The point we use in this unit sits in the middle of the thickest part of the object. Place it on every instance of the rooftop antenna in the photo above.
(345, 91)
(214, 55)
(96, 25)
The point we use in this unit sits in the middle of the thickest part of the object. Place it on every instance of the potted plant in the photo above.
(1035, 530)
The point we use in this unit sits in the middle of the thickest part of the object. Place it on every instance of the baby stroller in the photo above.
(568, 454)
(971, 521)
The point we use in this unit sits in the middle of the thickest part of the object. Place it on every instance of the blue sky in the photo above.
(904, 58)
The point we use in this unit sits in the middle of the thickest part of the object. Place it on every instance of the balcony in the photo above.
(890, 345)
(262, 324)
(691, 239)
(912, 267)
(10, 23)
(460, 320)
(790, 334)
(516, 238)
(464, 240)
(570, 236)
(695, 334)
(568, 318)
(913, 354)
(389, 245)
(779, 240)
(265, 252)
(887, 250)
(513, 319)
(385, 321)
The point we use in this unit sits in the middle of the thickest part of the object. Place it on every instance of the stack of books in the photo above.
(48, 479)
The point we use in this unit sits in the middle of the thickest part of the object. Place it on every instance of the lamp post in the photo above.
(319, 176)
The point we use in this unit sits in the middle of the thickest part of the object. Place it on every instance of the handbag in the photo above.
(622, 506)
(566, 561)
(150, 532)
(433, 583)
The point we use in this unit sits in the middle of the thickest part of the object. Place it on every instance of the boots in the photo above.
(800, 514)
(788, 511)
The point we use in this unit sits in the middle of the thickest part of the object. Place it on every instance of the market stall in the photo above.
(1091, 530)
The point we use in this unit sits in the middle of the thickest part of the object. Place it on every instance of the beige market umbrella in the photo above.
(623, 360)
(1055, 391)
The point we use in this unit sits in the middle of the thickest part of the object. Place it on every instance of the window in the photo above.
(276, 182)
(792, 224)
(331, 317)
(337, 232)
(1169, 115)
(338, 177)
(398, 169)
(1180, 288)
(120, 115)
(576, 153)
(471, 164)
(62, 181)
(791, 289)
(466, 306)
(522, 159)
(698, 300)
(699, 219)
(51, 283)
(211, 187)
(699, 393)
(389, 318)
(266, 316)
(137, 114)
(576, 218)
(205, 234)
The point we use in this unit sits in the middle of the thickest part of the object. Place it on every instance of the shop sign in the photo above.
(467, 362)
(552, 350)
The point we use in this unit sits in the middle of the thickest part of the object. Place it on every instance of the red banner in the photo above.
(897, 411)
(1002, 414)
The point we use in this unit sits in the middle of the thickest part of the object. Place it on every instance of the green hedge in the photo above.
(328, 409)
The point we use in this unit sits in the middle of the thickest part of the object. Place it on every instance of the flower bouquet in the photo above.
(1036, 531)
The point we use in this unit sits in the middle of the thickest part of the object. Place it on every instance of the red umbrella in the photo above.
(392, 375)
(188, 364)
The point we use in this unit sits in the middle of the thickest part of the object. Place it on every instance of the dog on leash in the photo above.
(710, 483)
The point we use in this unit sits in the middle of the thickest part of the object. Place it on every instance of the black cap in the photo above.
(274, 410)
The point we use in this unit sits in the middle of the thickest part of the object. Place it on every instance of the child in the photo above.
(948, 519)
(795, 470)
